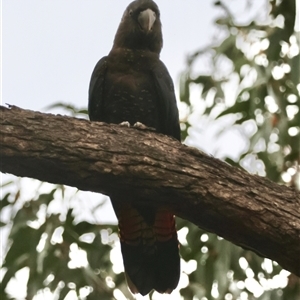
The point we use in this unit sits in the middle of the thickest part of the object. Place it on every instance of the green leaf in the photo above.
(2, 224)
(206, 81)
(184, 88)
(3, 184)
(46, 198)
(239, 107)
(4, 201)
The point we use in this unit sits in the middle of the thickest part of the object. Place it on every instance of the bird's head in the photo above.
(140, 27)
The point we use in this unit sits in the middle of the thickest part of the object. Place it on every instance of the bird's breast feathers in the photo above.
(124, 58)
(131, 70)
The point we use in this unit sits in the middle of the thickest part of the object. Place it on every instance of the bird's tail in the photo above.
(150, 248)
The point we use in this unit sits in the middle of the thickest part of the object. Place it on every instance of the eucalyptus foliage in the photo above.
(251, 78)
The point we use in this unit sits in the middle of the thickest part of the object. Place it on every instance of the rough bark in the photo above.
(248, 210)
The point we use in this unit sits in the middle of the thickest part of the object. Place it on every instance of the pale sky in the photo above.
(50, 47)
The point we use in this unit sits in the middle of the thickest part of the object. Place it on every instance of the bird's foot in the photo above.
(142, 126)
(125, 123)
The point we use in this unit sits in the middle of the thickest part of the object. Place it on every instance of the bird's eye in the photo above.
(130, 13)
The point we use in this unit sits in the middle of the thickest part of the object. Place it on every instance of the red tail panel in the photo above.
(150, 248)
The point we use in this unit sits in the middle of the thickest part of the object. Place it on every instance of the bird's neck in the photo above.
(139, 42)
(129, 54)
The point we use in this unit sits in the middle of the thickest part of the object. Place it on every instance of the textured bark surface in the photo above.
(248, 210)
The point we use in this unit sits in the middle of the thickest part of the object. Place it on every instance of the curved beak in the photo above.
(146, 19)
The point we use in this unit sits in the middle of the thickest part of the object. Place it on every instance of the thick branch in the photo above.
(248, 210)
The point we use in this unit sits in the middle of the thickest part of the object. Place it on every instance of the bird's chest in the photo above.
(130, 94)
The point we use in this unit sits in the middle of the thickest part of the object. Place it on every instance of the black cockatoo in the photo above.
(131, 84)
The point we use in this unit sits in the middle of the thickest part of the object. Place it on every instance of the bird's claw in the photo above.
(142, 126)
(125, 123)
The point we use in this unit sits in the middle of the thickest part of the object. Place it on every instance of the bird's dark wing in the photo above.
(167, 101)
(96, 89)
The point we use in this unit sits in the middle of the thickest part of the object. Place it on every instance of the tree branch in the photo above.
(248, 210)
